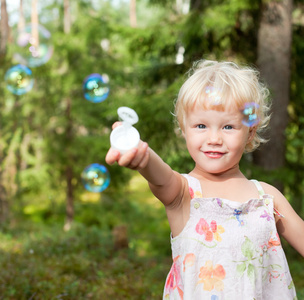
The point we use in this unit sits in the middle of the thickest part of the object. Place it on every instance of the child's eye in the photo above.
(201, 126)
(227, 127)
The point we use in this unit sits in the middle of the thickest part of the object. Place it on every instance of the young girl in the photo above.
(225, 242)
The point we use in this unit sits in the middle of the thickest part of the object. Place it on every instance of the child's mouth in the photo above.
(212, 154)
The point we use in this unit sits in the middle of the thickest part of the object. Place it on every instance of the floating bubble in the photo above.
(96, 88)
(95, 178)
(33, 45)
(249, 112)
(19, 79)
(213, 95)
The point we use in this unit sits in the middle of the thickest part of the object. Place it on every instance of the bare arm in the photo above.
(291, 227)
(164, 183)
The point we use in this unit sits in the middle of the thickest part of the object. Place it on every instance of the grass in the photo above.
(39, 261)
(47, 263)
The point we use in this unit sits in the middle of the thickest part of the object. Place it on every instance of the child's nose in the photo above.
(215, 137)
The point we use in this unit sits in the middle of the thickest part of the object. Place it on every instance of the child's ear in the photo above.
(252, 132)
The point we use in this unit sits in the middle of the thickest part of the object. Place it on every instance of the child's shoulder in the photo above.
(270, 189)
(279, 199)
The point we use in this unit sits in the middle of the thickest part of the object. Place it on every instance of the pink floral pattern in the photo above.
(226, 246)
(211, 231)
(174, 279)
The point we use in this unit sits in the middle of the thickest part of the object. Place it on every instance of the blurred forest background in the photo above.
(60, 241)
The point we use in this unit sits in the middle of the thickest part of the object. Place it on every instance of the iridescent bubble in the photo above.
(213, 95)
(96, 88)
(250, 117)
(19, 79)
(33, 45)
(95, 178)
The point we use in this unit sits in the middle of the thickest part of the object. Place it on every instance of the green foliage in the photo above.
(295, 129)
(41, 136)
(51, 264)
(53, 127)
(41, 261)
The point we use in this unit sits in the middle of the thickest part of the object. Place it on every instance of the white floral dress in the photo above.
(229, 251)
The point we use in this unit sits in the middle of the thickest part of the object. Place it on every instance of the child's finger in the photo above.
(140, 155)
(116, 124)
(112, 156)
(126, 159)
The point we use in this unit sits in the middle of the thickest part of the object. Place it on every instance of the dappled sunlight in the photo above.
(9, 244)
(88, 197)
(139, 189)
(56, 118)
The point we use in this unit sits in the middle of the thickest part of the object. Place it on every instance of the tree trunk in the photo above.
(133, 21)
(21, 21)
(4, 208)
(4, 29)
(69, 199)
(196, 5)
(35, 23)
(69, 171)
(274, 50)
(66, 17)
(4, 36)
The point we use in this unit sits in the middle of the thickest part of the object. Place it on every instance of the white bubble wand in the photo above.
(125, 137)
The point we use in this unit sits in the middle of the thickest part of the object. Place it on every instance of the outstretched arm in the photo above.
(164, 183)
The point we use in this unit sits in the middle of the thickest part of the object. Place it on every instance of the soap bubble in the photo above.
(33, 45)
(213, 95)
(96, 88)
(95, 178)
(249, 112)
(19, 79)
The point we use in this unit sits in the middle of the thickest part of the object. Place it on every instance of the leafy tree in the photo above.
(52, 133)
(4, 29)
(55, 131)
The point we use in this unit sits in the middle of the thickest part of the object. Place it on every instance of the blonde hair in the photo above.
(221, 85)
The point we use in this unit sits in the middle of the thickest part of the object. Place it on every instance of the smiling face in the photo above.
(216, 139)
(220, 85)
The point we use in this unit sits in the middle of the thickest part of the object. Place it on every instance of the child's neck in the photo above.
(231, 185)
(232, 173)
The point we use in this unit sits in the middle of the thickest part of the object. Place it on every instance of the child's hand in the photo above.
(135, 159)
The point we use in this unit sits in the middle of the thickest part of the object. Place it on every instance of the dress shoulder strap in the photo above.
(259, 187)
(194, 184)
(261, 193)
